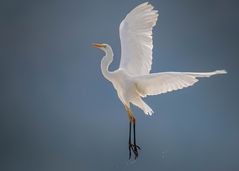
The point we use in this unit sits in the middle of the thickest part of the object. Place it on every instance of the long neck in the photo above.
(105, 63)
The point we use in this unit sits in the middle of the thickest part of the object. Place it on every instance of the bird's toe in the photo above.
(134, 149)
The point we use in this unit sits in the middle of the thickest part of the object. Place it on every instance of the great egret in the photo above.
(133, 79)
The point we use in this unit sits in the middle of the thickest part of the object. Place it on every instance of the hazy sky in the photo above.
(59, 113)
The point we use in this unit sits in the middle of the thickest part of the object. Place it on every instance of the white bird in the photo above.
(133, 79)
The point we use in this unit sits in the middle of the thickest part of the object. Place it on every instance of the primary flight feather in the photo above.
(133, 79)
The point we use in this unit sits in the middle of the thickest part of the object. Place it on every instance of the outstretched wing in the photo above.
(164, 82)
(136, 39)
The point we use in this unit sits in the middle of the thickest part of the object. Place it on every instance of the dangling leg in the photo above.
(136, 147)
(132, 147)
(129, 139)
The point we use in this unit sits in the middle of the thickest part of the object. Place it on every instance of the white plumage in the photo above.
(136, 39)
(133, 79)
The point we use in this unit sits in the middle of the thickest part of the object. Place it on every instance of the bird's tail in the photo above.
(147, 110)
(142, 105)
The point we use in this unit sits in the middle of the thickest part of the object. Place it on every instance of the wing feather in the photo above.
(136, 39)
(164, 82)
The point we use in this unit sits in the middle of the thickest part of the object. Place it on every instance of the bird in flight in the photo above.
(133, 79)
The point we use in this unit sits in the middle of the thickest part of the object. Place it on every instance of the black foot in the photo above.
(134, 148)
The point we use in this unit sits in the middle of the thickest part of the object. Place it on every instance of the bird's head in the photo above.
(104, 47)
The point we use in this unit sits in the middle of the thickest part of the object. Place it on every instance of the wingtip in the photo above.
(221, 71)
(145, 4)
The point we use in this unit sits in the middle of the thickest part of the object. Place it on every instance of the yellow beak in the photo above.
(97, 45)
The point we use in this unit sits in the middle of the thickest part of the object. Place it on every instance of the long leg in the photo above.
(129, 139)
(134, 135)
(134, 147)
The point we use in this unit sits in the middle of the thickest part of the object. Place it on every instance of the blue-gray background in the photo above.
(59, 113)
